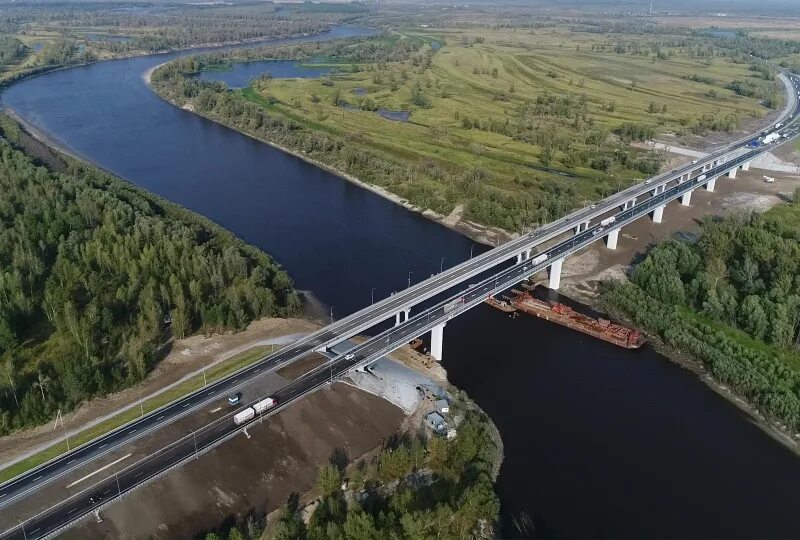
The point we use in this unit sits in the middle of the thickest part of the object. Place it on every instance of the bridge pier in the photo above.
(732, 173)
(658, 214)
(555, 273)
(581, 227)
(437, 339)
(746, 166)
(710, 185)
(402, 316)
(686, 198)
(611, 239)
(681, 180)
(629, 204)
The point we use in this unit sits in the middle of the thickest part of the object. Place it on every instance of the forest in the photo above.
(731, 299)
(416, 486)
(97, 277)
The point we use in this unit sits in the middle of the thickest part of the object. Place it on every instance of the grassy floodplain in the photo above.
(529, 115)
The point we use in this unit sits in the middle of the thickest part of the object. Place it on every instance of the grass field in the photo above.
(212, 374)
(494, 80)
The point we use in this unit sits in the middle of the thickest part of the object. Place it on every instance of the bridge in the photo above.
(505, 265)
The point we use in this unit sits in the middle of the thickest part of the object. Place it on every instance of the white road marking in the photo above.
(71, 511)
(216, 410)
(37, 478)
(132, 431)
(72, 461)
(79, 480)
(3, 495)
(160, 417)
(103, 446)
(34, 530)
(185, 405)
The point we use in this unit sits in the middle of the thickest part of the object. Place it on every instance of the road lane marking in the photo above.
(68, 462)
(71, 511)
(103, 446)
(160, 417)
(3, 495)
(37, 478)
(101, 469)
(216, 410)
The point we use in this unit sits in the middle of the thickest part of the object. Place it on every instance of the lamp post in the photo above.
(331, 314)
(409, 278)
(372, 296)
(441, 266)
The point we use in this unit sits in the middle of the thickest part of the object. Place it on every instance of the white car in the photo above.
(349, 356)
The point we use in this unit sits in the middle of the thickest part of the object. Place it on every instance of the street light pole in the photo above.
(194, 437)
(119, 491)
(409, 278)
(471, 246)
(373, 296)
(441, 266)
(141, 406)
(331, 314)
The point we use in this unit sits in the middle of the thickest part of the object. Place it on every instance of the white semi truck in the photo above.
(249, 413)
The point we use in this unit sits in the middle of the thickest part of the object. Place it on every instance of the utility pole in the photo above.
(141, 405)
(441, 266)
(119, 491)
(194, 437)
(372, 296)
(331, 314)
(205, 382)
(409, 278)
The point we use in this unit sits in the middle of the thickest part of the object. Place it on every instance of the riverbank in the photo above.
(254, 474)
(490, 236)
(584, 271)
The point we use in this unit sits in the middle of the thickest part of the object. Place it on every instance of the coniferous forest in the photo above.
(97, 276)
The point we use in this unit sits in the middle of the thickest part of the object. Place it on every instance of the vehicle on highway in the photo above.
(608, 221)
(598, 231)
(455, 304)
(250, 412)
(234, 399)
(349, 356)
(539, 259)
(701, 177)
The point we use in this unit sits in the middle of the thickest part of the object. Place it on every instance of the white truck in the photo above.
(772, 137)
(539, 259)
(259, 407)
(608, 221)
(455, 304)
(243, 416)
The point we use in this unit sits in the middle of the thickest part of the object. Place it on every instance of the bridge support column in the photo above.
(402, 316)
(732, 173)
(437, 339)
(555, 273)
(686, 198)
(710, 185)
(611, 239)
(658, 214)
(746, 166)
(581, 227)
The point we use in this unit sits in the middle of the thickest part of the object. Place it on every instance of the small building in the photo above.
(436, 422)
(451, 433)
(442, 406)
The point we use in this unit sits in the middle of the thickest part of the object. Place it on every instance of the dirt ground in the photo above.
(187, 355)
(251, 474)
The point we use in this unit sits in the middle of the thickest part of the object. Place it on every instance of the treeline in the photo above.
(172, 26)
(769, 92)
(96, 276)
(11, 50)
(732, 300)
(415, 487)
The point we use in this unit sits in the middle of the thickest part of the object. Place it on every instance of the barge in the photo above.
(564, 315)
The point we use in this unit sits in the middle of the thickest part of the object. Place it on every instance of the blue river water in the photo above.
(599, 441)
(241, 73)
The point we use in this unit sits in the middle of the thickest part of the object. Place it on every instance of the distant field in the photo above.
(493, 82)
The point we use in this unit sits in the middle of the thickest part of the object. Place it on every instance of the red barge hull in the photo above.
(564, 315)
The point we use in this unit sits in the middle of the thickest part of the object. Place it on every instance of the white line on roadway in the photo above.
(216, 410)
(79, 480)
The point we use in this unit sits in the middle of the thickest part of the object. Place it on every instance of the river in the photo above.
(599, 441)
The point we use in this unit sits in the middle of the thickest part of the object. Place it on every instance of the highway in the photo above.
(107, 489)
